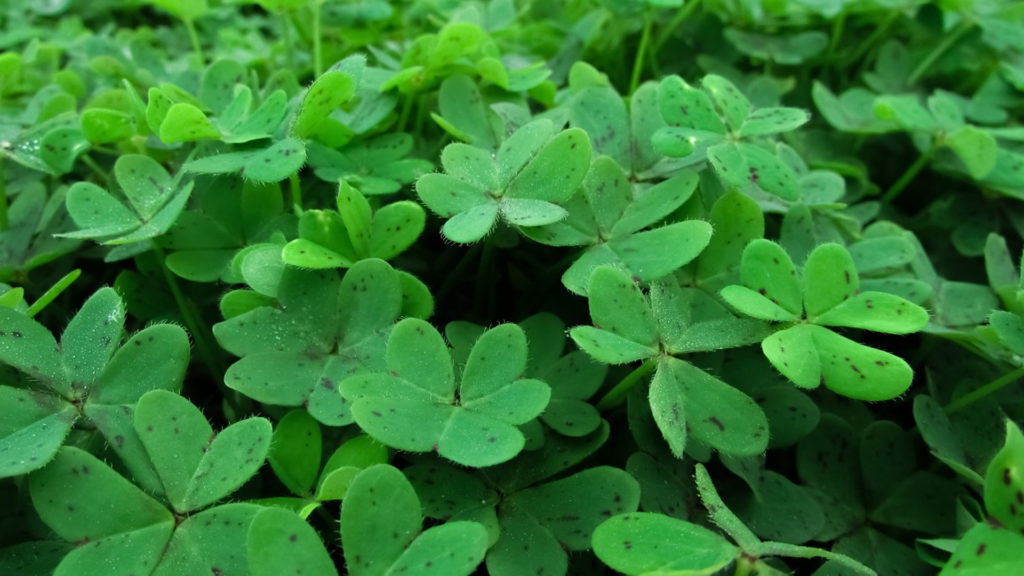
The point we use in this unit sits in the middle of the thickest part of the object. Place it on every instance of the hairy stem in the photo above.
(984, 391)
(295, 188)
(618, 393)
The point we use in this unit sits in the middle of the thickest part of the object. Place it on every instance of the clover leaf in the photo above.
(89, 373)
(332, 239)
(381, 530)
(534, 171)
(808, 353)
(154, 202)
(414, 406)
(377, 166)
(320, 332)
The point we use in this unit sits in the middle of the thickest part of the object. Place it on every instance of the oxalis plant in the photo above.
(507, 287)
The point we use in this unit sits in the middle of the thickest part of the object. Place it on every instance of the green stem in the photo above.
(193, 320)
(4, 222)
(947, 42)
(96, 168)
(52, 292)
(193, 36)
(984, 391)
(875, 36)
(286, 33)
(458, 271)
(837, 33)
(641, 53)
(403, 116)
(908, 176)
(295, 188)
(681, 15)
(318, 57)
(618, 393)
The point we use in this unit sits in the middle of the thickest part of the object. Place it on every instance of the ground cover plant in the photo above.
(509, 287)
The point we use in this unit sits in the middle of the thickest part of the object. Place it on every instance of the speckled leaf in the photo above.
(645, 257)
(185, 122)
(600, 111)
(574, 378)
(417, 353)
(295, 451)
(649, 206)
(571, 508)
(156, 357)
(923, 502)
(478, 440)
(557, 169)
(986, 550)
(276, 163)
(396, 227)
(811, 355)
(766, 170)
(767, 269)
(618, 306)
(1004, 481)
(906, 110)
(34, 428)
(454, 41)
(764, 121)
(126, 553)
(61, 147)
(609, 348)
(211, 541)
(464, 113)
(646, 543)
(92, 336)
(280, 542)
(176, 435)
(30, 348)
(736, 220)
(829, 278)
(667, 406)
(357, 217)
(688, 107)
(33, 558)
(452, 549)
(471, 225)
(145, 183)
(528, 212)
(327, 93)
(729, 102)
(719, 415)
(756, 305)
(976, 149)
(234, 455)
(524, 546)
(380, 517)
(781, 511)
(791, 414)
(79, 497)
(417, 302)
(97, 213)
(105, 126)
(876, 311)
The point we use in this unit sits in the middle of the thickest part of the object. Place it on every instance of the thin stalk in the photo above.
(96, 168)
(403, 116)
(4, 221)
(617, 394)
(875, 36)
(193, 36)
(295, 188)
(458, 271)
(908, 176)
(680, 16)
(193, 321)
(838, 26)
(947, 42)
(984, 391)
(52, 292)
(286, 33)
(641, 53)
(318, 57)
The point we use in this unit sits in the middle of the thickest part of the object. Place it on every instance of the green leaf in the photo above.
(276, 163)
(1004, 481)
(984, 550)
(667, 407)
(30, 348)
(975, 148)
(380, 518)
(98, 213)
(176, 435)
(765, 121)
(295, 451)
(454, 548)
(829, 278)
(876, 311)
(737, 220)
(755, 304)
(104, 126)
(732, 105)
(767, 269)
(417, 353)
(472, 224)
(185, 122)
(618, 306)
(396, 227)
(780, 511)
(811, 355)
(556, 171)
(279, 542)
(647, 543)
(79, 497)
(155, 358)
(608, 347)
(327, 93)
(34, 428)
(212, 538)
(683, 105)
